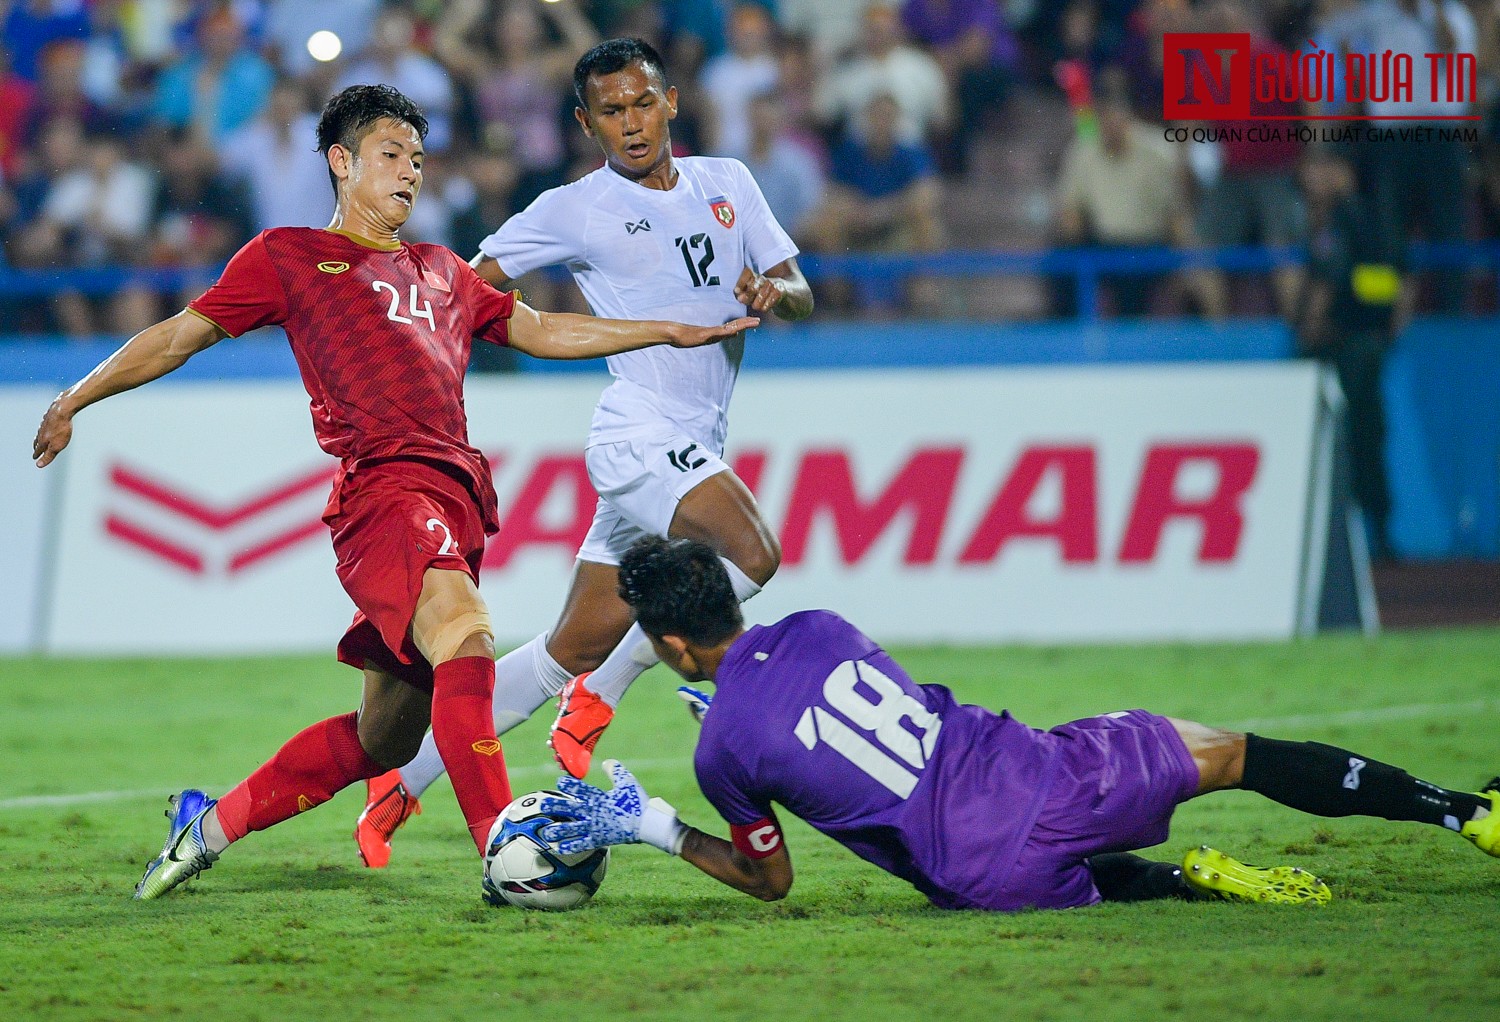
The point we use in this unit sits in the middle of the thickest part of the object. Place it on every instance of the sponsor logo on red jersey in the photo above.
(333, 266)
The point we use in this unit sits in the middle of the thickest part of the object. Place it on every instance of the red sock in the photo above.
(463, 722)
(306, 772)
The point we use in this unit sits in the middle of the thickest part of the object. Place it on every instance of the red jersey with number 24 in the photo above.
(381, 337)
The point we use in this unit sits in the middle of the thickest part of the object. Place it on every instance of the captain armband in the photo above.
(758, 839)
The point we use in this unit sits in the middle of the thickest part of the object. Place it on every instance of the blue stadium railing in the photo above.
(870, 273)
(1088, 266)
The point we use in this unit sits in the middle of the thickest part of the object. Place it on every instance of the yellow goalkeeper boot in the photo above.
(1212, 872)
(1485, 831)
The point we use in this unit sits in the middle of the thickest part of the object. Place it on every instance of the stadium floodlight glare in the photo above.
(324, 45)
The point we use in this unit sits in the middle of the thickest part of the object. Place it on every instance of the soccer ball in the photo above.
(522, 868)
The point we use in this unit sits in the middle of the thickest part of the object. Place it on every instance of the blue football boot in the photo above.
(185, 854)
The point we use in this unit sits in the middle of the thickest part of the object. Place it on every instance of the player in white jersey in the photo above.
(689, 239)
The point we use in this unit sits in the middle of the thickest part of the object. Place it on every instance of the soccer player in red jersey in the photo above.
(381, 331)
(655, 447)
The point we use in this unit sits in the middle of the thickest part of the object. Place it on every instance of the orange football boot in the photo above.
(388, 805)
(581, 718)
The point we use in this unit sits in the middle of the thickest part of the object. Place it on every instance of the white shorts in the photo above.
(639, 483)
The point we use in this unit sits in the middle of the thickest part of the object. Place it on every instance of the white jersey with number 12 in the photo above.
(643, 253)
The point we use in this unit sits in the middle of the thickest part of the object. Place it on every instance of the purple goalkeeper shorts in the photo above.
(1115, 781)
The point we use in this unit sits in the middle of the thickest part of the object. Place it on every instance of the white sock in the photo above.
(425, 767)
(744, 586)
(214, 838)
(634, 656)
(625, 663)
(525, 678)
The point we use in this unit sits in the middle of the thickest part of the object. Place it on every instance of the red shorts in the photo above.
(396, 519)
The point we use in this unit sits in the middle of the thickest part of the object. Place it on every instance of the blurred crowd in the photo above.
(164, 133)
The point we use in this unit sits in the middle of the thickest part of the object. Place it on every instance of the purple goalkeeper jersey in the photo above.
(810, 713)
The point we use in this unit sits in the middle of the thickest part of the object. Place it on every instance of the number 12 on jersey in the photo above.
(698, 271)
(896, 755)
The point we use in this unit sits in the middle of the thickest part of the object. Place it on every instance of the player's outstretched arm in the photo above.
(782, 289)
(565, 335)
(768, 879)
(154, 352)
(490, 271)
(626, 815)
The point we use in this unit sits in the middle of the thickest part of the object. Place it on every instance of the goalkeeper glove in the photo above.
(621, 816)
(697, 701)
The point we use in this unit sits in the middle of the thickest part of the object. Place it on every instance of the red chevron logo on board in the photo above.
(177, 548)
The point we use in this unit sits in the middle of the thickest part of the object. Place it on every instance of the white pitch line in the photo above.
(547, 770)
(1407, 712)
(1362, 716)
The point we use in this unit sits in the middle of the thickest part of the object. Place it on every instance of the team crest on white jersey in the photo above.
(723, 210)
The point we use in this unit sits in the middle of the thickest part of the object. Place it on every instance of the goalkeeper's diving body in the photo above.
(973, 808)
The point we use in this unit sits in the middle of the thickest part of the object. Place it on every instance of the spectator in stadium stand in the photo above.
(515, 74)
(1253, 198)
(493, 175)
(732, 79)
(979, 56)
(1141, 48)
(1082, 36)
(797, 77)
(392, 58)
(60, 93)
(1121, 186)
(445, 189)
(93, 209)
(59, 148)
(16, 96)
(1351, 306)
(199, 217)
(831, 26)
(1487, 28)
(270, 157)
(30, 25)
(885, 64)
(695, 31)
(218, 87)
(1420, 183)
(884, 195)
(789, 175)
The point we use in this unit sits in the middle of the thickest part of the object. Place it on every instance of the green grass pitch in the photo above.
(288, 926)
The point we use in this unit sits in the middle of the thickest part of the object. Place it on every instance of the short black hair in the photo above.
(679, 587)
(351, 114)
(611, 56)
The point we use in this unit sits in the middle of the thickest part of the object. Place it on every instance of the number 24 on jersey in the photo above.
(413, 313)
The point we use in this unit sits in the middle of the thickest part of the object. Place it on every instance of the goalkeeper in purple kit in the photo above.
(973, 808)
